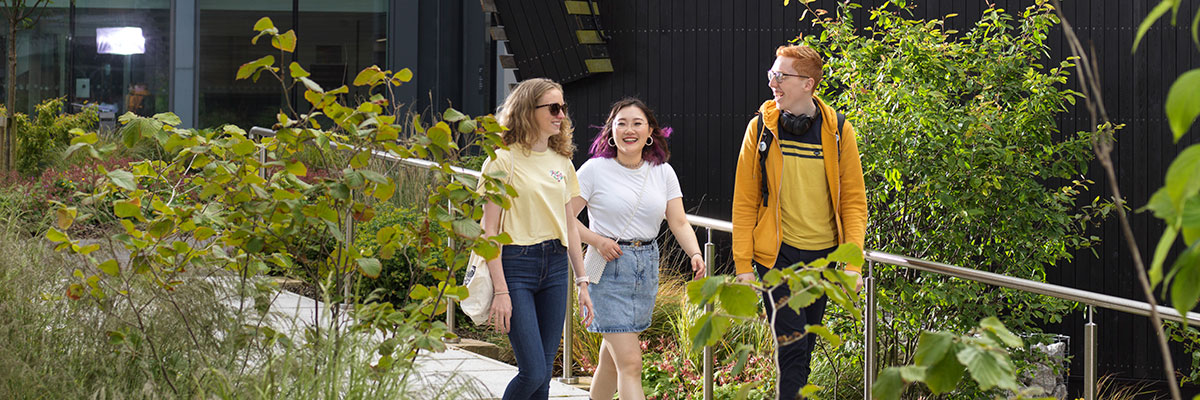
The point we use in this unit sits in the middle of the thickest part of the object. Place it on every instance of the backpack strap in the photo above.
(838, 136)
(764, 148)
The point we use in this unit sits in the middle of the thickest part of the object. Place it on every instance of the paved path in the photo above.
(450, 368)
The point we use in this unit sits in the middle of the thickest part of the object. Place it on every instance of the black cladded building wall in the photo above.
(700, 64)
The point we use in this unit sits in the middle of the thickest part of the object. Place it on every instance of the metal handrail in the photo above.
(1066, 293)
(1092, 299)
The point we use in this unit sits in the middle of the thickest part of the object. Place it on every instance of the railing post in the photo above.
(1089, 357)
(869, 336)
(450, 303)
(710, 255)
(568, 334)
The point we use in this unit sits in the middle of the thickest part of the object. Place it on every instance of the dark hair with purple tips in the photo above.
(656, 153)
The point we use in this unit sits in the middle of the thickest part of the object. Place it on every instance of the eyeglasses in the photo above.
(777, 76)
(555, 108)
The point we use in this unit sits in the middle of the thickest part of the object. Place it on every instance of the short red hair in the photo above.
(808, 61)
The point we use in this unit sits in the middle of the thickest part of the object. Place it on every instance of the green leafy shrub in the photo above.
(39, 141)
(215, 208)
(406, 268)
(963, 165)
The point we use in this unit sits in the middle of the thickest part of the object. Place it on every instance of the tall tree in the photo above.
(20, 15)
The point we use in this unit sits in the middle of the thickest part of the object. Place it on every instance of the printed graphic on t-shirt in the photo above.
(557, 175)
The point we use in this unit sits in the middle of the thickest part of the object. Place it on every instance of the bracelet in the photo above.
(500, 293)
(697, 254)
(581, 279)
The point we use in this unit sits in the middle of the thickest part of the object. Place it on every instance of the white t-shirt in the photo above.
(612, 193)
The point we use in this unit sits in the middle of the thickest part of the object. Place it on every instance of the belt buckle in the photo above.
(636, 243)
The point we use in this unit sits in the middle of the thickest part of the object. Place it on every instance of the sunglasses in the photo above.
(555, 108)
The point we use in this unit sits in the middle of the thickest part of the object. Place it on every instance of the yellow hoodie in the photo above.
(756, 229)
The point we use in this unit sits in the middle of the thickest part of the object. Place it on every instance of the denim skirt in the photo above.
(624, 297)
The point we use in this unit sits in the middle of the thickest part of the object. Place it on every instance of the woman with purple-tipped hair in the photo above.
(628, 188)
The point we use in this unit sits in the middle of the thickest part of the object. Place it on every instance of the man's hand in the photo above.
(745, 277)
(858, 280)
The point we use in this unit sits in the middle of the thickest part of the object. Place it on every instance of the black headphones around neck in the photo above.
(795, 124)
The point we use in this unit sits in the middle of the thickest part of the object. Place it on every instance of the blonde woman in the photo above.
(628, 189)
(530, 277)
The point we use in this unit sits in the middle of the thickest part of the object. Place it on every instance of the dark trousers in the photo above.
(794, 358)
(537, 284)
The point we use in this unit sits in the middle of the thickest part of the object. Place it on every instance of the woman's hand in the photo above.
(501, 312)
(609, 249)
(698, 266)
(585, 305)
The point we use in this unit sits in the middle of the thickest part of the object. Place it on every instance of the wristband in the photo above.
(581, 279)
(500, 293)
(697, 254)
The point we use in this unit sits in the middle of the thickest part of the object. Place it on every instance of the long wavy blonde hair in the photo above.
(517, 114)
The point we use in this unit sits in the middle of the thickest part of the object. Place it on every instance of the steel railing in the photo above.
(1091, 299)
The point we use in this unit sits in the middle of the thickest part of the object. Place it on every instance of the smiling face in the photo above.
(548, 123)
(630, 130)
(790, 91)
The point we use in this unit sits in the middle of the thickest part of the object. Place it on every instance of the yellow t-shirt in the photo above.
(545, 181)
(805, 208)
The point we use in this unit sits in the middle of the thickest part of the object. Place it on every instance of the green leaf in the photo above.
(994, 325)
(1154, 15)
(825, 333)
(848, 253)
(989, 369)
(384, 191)
(297, 168)
(1183, 102)
(912, 373)
(285, 42)
(1185, 283)
(311, 85)
(419, 292)
(1183, 176)
(370, 267)
(263, 24)
(369, 76)
(808, 391)
(127, 209)
(739, 300)
(932, 347)
(1196, 37)
(707, 330)
(297, 71)
(404, 75)
(139, 128)
(168, 118)
(65, 217)
(1160, 255)
(1161, 204)
(248, 69)
(943, 376)
(467, 126)
(467, 228)
(203, 233)
(439, 135)
(452, 115)
(888, 385)
(109, 267)
(56, 236)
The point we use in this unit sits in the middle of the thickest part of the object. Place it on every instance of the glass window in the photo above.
(337, 39)
(224, 30)
(340, 38)
(119, 58)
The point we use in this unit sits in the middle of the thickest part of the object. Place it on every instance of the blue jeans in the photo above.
(537, 284)
(793, 359)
